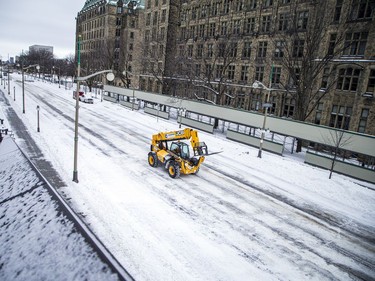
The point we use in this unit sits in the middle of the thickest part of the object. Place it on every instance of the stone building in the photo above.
(108, 32)
(320, 67)
(314, 59)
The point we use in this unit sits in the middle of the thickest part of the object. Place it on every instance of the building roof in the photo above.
(92, 3)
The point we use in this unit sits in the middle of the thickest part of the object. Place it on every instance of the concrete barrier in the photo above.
(156, 112)
(340, 167)
(196, 124)
(254, 141)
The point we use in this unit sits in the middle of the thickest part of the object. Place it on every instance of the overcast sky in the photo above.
(24, 23)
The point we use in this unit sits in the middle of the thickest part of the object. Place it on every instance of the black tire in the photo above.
(173, 169)
(152, 159)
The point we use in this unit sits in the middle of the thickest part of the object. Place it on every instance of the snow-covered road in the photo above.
(240, 218)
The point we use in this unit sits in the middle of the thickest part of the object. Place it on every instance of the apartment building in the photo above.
(315, 60)
(108, 36)
(317, 57)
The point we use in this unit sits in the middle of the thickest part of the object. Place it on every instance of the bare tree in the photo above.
(307, 40)
(338, 140)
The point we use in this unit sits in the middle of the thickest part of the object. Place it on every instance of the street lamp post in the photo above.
(266, 105)
(8, 80)
(37, 110)
(110, 77)
(23, 83)
(14, 93)
(59, 73)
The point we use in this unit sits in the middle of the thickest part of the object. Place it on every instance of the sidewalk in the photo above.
(32, 150)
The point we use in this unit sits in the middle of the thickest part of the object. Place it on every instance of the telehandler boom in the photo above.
(168, 149)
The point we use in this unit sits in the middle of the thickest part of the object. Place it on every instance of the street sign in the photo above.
(267, 105)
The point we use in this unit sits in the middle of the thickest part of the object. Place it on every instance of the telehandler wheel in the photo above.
(173, 169)
(152, 159)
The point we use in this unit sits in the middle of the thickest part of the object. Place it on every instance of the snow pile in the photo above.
(38, 242)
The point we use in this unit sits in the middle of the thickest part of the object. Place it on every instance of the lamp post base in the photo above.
(75, 176)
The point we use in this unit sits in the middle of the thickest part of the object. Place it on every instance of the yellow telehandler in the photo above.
(169, 149)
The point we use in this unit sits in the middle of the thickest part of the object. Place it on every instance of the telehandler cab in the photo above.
(168, 149)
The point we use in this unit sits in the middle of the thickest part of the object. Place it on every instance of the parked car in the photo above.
(83, 97)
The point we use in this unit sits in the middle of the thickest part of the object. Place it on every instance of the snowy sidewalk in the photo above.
(38, 240)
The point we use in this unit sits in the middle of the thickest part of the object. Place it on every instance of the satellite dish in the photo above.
(110, 76)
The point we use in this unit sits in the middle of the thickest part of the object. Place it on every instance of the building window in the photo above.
(197, 70)
(340, 117)
(325, 77)
(228, 99)
(233, 50)
(244, 73)
(239, 5)
(192, 31)
(256, 101)
(338, 7)
(148, 19)
(224, 28)
(302, 20)
(265, 24)
(363, 120)
(272, 109)
(200, 30)
(332, 44)
(371, 82)
(219, 71)
(348, 79)
(208, 71)
(276, 75)
(222, 49)
(318, 114)
(298, 46)
(252, 4)
(289, 106)
(190, 51)
(163, 15)
(247, 50)
(262, 49)
(118, 21)
(283, 22)
(362, 9)
(250, 25)
(279, 49)
(162, 33)
(240, 100)
(259, 73)
(155, 18)
(200, 50)
(355, 43)
(210, 50)
(267, 3)
(212, 29)
(236, 27)
(231, 71)
(226, 6)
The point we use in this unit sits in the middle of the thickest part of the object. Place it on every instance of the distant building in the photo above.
(38, 48)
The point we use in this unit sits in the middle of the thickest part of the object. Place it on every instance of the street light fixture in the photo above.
(23, 83)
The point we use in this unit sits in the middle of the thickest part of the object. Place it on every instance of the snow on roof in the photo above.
(38, 241)
(91, 3)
